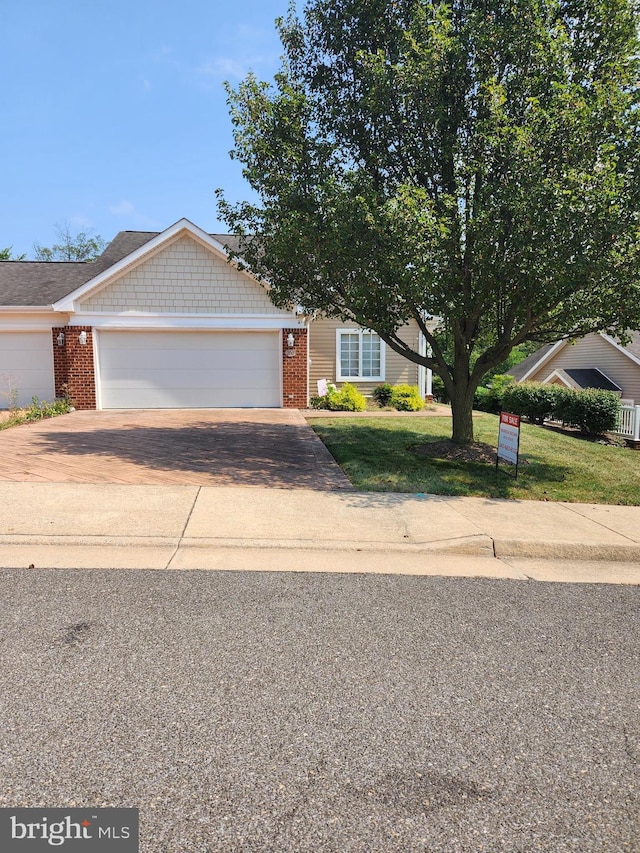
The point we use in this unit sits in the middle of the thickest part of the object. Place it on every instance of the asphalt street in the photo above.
(312, 713)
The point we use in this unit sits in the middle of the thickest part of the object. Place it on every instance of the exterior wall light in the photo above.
(60, 339)
(82, 338)
(290, 340)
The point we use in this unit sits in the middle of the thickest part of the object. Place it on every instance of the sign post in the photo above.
(509, 439)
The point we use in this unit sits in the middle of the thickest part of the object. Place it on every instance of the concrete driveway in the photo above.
(242, 447)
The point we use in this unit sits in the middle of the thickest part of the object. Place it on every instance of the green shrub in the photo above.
(490, 398)
(382, 394)
(322, 402)
(40, 409)
(438, 390)
(592, 411)
(347, 399)
(406, 398)
(533, 400)
(484, 401)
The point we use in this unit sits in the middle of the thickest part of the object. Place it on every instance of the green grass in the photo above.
(557, 467)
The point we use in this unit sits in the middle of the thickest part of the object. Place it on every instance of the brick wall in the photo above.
(73, 367)
(294, 370)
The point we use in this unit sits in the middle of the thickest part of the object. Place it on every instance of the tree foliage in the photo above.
(6, 255)
(474, 161)
(81, 246)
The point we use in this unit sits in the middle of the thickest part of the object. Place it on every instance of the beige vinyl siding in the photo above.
(185, 277)
(322, 353)
(595, 351)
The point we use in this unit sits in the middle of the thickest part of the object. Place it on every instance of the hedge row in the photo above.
(592, 411)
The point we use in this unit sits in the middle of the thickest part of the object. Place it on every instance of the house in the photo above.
(595, 361)
(163, 320)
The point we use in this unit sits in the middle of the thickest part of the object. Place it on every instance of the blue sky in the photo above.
(114, 114)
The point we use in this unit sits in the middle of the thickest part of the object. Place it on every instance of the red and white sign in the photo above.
(509, 437)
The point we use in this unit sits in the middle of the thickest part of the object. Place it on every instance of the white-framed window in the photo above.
(359, 355)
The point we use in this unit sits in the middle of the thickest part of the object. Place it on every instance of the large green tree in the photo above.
(472, 160)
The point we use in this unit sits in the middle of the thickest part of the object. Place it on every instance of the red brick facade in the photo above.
(73, 366)
(295, 364)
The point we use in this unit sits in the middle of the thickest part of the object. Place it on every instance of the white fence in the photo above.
(629, 422)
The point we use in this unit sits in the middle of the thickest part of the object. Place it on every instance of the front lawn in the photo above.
(375, 455)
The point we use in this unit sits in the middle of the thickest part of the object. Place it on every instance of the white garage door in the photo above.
(26, 368)
(175, 370)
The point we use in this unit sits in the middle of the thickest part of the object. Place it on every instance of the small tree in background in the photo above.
(81, 246)
(5, 255)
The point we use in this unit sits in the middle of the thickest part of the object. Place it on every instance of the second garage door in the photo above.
(26, 368)
(175, 370)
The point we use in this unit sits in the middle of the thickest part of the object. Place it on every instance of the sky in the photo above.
(114, 114)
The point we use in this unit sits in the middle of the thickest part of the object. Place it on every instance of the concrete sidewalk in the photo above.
(69, 525)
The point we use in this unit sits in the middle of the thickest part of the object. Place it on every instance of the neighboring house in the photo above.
(162, 320)
(595, 361)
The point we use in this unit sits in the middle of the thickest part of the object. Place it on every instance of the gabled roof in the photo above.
(43, 283)
(534, 362)
(520, 370)
(591, 377)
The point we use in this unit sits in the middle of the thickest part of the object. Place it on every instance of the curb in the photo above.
(566, 551)
(472, 546)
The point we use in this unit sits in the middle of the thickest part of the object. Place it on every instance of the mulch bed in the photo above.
(446, 449)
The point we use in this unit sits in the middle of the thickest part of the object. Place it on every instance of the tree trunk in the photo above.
(461, 410)
(461, 391)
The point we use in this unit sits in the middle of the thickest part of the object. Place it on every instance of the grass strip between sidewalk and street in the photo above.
(388, 455)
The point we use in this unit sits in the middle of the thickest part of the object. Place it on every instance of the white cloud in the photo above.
(222, 68)
(236, 51)
(123, 208)
(127, 209)
(80, 221)
(241, 49)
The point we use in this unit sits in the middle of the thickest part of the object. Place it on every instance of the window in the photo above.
(360, 355)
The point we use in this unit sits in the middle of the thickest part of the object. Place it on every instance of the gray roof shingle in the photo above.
(39, 283)
(522, 368)
(590, 377)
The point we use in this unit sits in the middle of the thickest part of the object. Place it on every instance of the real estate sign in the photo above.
(509, 439)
